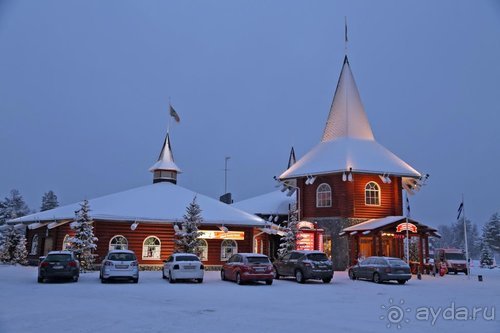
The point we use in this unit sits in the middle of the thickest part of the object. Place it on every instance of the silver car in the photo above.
(120, 264)
(380, 269)
(183, 266)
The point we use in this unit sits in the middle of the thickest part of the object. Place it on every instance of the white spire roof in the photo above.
(166, 158)
(347, 116)
(348, 141)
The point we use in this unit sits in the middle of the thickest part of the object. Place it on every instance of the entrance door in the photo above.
(49, 242)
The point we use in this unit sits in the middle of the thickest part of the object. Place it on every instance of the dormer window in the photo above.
(372, 194)
(324, 196)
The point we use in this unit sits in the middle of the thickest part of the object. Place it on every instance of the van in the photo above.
(454, 259)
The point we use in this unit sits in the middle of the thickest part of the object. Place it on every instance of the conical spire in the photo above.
(165, 168)
(347, 116)
(291, 159)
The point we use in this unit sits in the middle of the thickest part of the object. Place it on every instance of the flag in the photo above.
(345, 22)
(174, 114)
(460, 209)
(407, 206)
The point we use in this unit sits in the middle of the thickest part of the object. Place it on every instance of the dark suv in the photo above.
(59, 264)
(304, 265)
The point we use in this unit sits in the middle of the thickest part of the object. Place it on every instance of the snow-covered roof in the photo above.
(166, 158)
(160, 203)
(276, 202)
(382, 222)
(348, 141)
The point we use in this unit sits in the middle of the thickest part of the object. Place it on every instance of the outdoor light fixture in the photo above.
(385, 178)
(134, 225)
(224, 229)
(344, 176)
(176, 228)
(310, 180)
(349, 176)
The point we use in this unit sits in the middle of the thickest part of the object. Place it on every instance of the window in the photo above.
(372, 194)
(295, 255)
(227, 249)
(151, 248)
(324, 196)
(66, 243)
(34, 245)
(203, 250)
(118, 243)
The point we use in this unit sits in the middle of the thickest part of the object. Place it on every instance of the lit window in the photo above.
(151, 249)
(118, 243)
(227, 249)
(372, 194)
(66, 243)
(203, 250)
(324, 196)
(34, 245)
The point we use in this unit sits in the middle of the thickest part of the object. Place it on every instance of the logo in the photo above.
(395, 314)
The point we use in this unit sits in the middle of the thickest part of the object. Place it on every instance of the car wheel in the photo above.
(75, 279)
(135, 280)
(299, 276)
(199, 280)
(269, 282)
(103, 280)
(402, 281)
(376, 278)
(40, 279)
(238, 279)
(352, 276)
(466, 273)
(222, 275)
(170, 279)
(327, 280)
(163, 274)
(456, 272)
(276, 274)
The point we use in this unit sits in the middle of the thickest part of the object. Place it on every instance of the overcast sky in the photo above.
(85, 86)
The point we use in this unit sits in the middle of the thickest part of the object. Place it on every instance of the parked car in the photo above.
(380, 269)
(454, 259)
(58, 264)
(119, 264)
(183, 266)
(304, 265)
(243, 267)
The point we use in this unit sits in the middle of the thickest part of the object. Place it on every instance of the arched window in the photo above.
(324, 196)
(227, 249)
(372, 194)
(66, 243)
(203, 250)
(151, 248)
(118, 243)
(34, 245)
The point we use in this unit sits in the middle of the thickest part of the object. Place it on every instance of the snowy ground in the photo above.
(154, 305)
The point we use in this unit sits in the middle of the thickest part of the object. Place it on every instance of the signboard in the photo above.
(306, 241)
(305, 225)
(216, 234)
(403, 226)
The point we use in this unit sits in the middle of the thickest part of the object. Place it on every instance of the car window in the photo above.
(295, 255)
(317, 257)
(287, 257)
(121, 257)
(233, 258)
(187, 258)
(58, 257)
(454, 256)
(396, 262)
(367, 262)
(170, 259)
(258, 260)
(381, 261)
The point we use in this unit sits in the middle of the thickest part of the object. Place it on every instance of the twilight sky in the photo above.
(85, 86)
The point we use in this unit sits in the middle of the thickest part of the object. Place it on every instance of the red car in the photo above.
(242, 267)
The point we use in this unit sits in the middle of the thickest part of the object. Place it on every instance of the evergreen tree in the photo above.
(491, 233)
(452, 236)
(13, 207)
(49, 201)
(289, 241)
(83, 243)
(486, 256)
(13, 247)
(187, 240)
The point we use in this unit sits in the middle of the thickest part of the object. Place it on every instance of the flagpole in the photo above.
(407, 232)
(466, 242)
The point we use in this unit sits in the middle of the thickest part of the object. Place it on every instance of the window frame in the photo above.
(203, 249)
(371, 191)
(320, 200)
(224, 254)
(34, 245)
(146, 250)
(65, 242)
(110, 248)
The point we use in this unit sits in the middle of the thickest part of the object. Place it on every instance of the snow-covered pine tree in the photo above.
(187, 240)
(13, 248)
(49, 201)
(491, 233)
(289, 241)
(13, 207)
(486, 259)
(83, 243)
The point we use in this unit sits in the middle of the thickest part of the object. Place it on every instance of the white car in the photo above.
(183, 266)
(120, 264)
